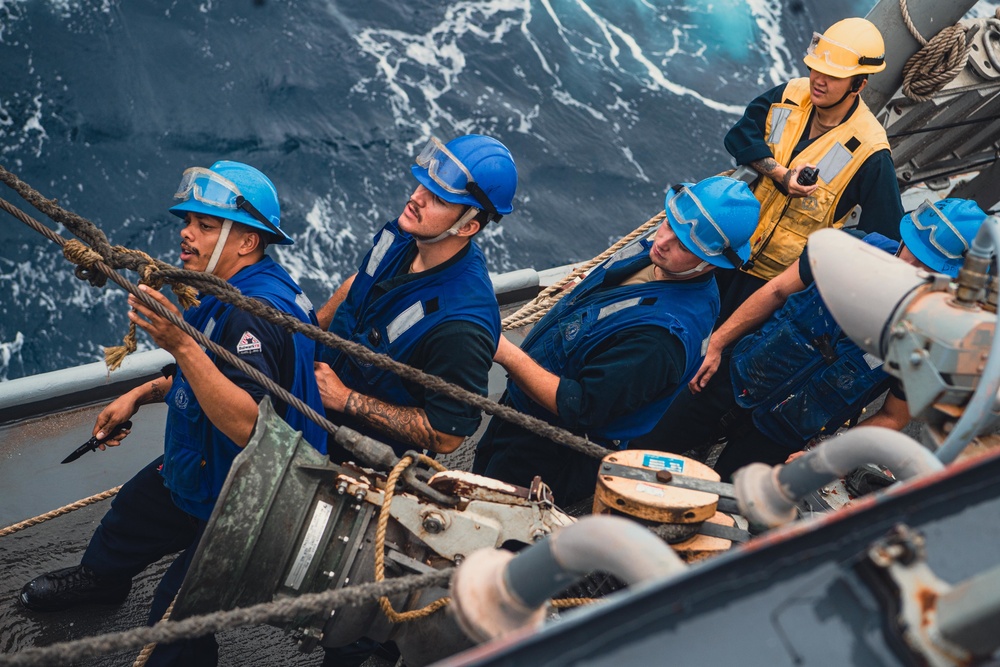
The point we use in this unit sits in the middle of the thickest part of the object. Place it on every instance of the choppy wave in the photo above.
(602, 103)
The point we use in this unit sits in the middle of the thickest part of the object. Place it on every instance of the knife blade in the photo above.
(93, 443)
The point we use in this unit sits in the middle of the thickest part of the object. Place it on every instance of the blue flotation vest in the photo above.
(197, 456)
(799, 373)
(393, 322)
(562, 340)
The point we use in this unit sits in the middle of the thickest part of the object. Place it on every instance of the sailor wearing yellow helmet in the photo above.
(819, 122)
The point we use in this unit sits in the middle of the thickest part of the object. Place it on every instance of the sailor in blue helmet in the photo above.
(230, 214)
(423, 296)
(608, 359)
(780, 372)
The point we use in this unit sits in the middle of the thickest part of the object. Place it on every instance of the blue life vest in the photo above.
(600, 307)
(197, 456)
(799, 373)
(394, 322)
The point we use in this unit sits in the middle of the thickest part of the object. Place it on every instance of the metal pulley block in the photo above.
(678, 497)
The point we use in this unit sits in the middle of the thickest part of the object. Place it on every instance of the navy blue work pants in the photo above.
(142, 526)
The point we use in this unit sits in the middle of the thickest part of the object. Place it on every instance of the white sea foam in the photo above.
(767, 15)
(327, 240)
(9, 350)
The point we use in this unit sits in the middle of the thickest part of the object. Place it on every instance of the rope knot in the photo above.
(85, 258)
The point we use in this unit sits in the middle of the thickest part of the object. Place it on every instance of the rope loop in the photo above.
(383, 522)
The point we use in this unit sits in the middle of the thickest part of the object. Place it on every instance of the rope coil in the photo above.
(937, 63)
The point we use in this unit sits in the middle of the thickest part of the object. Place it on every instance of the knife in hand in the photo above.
(93, 443)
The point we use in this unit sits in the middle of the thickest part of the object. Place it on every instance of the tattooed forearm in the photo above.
(156, 391)
(765, 166)
(402, 423)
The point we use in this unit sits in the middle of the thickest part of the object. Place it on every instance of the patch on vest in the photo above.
(809, 203)
(248, 344)
(181, 399)
(406, 319)
(571, 330)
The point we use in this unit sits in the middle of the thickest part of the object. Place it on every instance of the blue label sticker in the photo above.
(663, 463)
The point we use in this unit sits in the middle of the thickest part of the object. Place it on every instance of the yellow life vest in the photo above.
(786, 223)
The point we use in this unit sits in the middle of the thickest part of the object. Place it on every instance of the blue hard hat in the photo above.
(234, 191)
(939, 234)
(714, 219)
(473, 170)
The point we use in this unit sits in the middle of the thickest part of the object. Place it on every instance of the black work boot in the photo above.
(72, 586)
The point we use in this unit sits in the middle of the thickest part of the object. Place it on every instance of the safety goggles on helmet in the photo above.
(704, 232)
(839, 56)
(922, 217)
(448, 171)
(210, 188)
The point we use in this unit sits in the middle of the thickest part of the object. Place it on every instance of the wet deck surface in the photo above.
(33, 482)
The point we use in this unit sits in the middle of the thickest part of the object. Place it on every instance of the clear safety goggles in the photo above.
(208, 187)
(921, 220)
(448, 171)
(838, 56)
(687, 209)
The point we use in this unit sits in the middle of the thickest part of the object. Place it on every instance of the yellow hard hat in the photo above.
(847, 48)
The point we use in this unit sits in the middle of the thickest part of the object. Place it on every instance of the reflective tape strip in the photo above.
(833, 162)
(303, 302)
(779, 117)
(406, 319)
(631, 250)
(378, 252)
(209, 328)
(615, 307)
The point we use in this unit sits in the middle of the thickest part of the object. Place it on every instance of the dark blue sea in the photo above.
(103, 103)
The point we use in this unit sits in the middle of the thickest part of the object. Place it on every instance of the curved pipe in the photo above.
(495, 592)
(767, 497)
(980, 407)
(610, 544)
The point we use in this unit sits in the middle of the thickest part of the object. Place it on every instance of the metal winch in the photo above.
(288, 522)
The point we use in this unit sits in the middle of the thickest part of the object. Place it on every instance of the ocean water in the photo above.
(603, 103)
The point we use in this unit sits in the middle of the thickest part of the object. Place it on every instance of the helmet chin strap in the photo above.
(681, 274)
(219, 245)
(451, 231)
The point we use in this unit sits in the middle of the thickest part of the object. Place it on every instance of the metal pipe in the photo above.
(609, 544)
(978, 411)
(494, 592)
(767, 496)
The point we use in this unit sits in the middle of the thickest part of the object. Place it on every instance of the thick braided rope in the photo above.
(224, 292)
(65, 509)
(383, 523)
(938, 61)
(147, 650)
(535, 309)
(165, 632)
